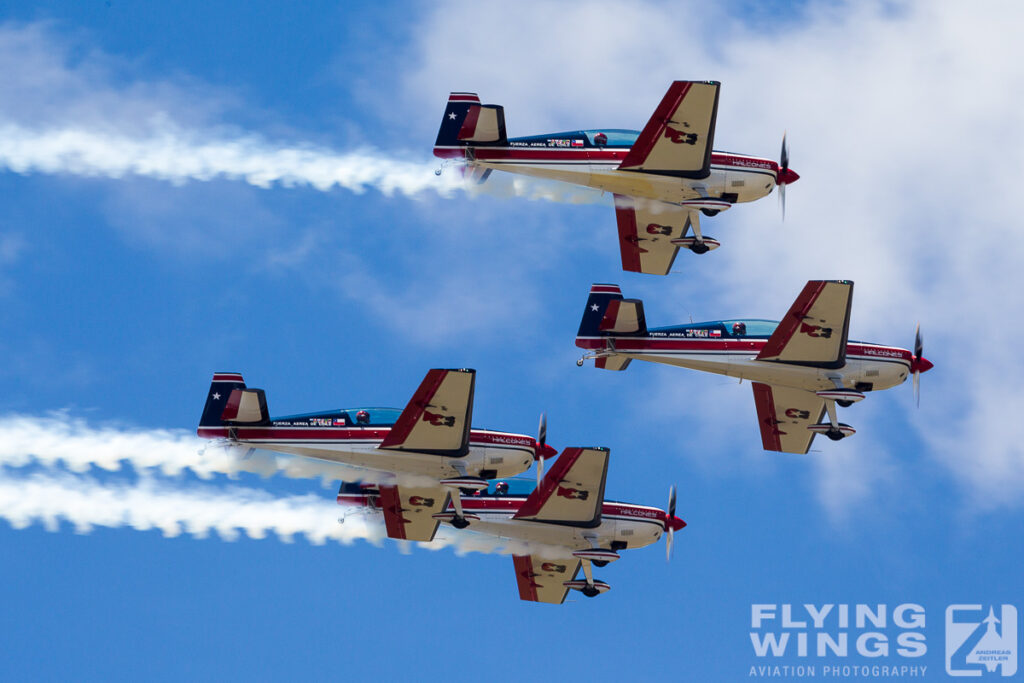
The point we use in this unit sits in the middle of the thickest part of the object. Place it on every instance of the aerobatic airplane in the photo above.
(431, 439)
(662, 177)
(563, 523)
(800, 368)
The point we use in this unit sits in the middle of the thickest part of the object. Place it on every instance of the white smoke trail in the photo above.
(199, 509)
(178, 155)
(60, 439)
(48, 497)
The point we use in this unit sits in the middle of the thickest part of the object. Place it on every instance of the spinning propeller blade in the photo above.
(668, 522)
(542, 437)
(918, 352)
(783, 179)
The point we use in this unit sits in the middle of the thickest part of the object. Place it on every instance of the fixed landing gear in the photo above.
(459, 522)
(710, 212)
(844, 404)
(835, 434)
(579, 363)
(590, 591)
(600, 563)
(699, 248)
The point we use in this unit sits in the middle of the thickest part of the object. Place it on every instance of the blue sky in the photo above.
(183, 237)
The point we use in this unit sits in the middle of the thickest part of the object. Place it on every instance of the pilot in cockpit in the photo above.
(363, 417)
(501, 488)
(739, 329)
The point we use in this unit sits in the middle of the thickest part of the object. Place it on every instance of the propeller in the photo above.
(919, 364)
(786, 176)
(669, 527)
(542, 437)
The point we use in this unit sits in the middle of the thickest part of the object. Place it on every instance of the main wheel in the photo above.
(599, 563)
(459, 522)
(834, 434)
(844, 404)
(699, 248)
(590, 591)
(710, 212)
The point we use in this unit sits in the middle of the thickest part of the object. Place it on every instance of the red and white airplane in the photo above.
(561, 525)
(801, 367)
(662, 177)
(430, 441)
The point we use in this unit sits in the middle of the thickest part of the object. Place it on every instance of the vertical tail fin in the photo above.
(230, 404)
(467, 123)
(607, 313)
(597, 305)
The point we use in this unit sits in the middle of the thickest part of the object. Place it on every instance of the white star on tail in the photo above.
(452, 116)
(216, 397)
(595, 308)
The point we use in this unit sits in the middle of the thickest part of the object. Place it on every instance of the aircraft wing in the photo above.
(542, 580)
(646, 231)
(677, 140)
(815, 328)
(437, 418)
(572, 491)
(408, 512)
(783, 413)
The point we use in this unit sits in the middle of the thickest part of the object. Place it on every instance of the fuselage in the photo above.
(491, 454)
(573, 157)
(710, 347)
(623, 525)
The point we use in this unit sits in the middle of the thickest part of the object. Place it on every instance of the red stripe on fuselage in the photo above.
(730, 345)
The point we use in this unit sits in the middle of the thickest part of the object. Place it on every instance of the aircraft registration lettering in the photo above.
(749, 162)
